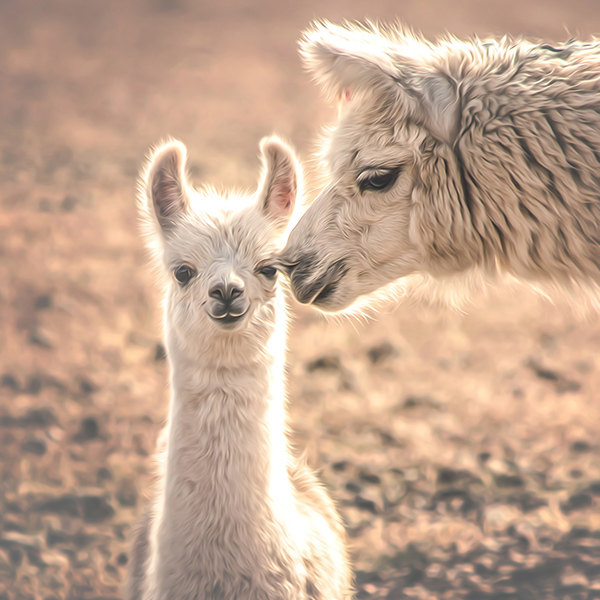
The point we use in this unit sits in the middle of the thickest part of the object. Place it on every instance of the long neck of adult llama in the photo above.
(226, 480)
(527, 162)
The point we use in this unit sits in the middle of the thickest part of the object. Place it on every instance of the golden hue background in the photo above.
(463, 450)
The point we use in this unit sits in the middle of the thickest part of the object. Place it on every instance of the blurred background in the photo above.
(463, 450)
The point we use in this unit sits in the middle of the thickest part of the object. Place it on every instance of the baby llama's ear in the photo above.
(164, 186)
(396, 66)
(281, 180)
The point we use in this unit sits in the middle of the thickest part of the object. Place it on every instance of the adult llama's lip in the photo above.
(319, 290)
(326, 292)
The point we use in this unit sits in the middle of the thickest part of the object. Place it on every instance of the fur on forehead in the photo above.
(358, 142)
(219, 224)
(404, 72)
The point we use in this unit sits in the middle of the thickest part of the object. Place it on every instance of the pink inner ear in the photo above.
(166, 194)
(284, 199)
(344, 96)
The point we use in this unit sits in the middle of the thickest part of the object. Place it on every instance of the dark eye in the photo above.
(378, 180)
(183, 274)
(268, 271)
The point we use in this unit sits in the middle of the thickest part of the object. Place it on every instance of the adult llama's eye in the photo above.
(378, 180)
(183, 274)
(268, 271)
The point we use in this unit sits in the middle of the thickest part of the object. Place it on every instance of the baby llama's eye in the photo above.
(378, 180)
(183, 274)
(268, 271)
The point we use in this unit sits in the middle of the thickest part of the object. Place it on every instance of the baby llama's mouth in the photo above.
(228, 319)
(233, 317)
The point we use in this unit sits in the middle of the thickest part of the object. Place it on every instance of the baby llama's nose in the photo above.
(227, 292)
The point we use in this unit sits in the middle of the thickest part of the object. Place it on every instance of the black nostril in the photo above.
(217, 292)
(235, 292)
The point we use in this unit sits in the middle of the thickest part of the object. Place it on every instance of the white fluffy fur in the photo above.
(236, 516)
(497, 146)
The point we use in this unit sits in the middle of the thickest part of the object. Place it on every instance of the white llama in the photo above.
(454, 158)
(236, 516)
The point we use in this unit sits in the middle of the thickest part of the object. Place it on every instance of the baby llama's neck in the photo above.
(227, 495)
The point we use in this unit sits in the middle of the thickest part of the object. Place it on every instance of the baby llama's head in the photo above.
(217, 252)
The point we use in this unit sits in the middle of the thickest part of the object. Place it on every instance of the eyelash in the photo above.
(387, 178)
(269, 271)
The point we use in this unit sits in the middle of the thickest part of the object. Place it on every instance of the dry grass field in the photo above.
(463, 450)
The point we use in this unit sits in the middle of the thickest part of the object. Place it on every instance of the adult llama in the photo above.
(235, 515)
(450, 162)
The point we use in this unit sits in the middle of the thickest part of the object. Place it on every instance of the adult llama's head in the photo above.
(217, 252)
(375, 218)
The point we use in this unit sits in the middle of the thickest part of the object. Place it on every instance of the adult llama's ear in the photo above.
(165, 185)
(281, 180)
(396, 66)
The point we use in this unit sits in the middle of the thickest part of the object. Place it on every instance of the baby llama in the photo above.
(236, 516)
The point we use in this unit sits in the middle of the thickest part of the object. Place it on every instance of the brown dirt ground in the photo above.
(463, 450)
